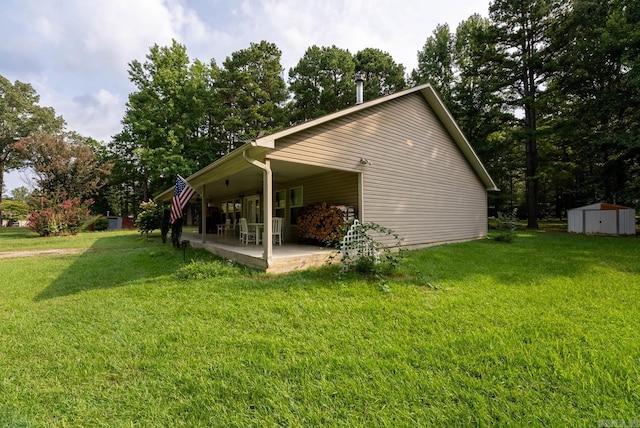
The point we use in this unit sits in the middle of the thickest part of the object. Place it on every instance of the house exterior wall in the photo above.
(418, 183)
(335, 187)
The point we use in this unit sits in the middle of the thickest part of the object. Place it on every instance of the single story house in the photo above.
(400, 161)
(603, 219)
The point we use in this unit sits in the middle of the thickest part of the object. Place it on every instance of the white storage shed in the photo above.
(603, 219)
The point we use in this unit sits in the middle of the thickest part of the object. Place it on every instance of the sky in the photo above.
(75, 53)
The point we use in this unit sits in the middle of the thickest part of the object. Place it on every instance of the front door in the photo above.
(254, 213)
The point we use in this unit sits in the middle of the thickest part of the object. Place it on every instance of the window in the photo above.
(295, 203)
(237, 210)
(280, 203)
(280, 199)
(231, 210)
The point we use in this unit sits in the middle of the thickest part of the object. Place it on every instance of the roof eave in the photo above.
(432, 98)
(268, 142)
(196, 179)
(458, 136)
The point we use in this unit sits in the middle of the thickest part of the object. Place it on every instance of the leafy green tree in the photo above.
(124, 190)
(322, 82)
(20, 117)
(14, 210)
(382, 75)
(479, 110)
(436, 62)
(252, 92)
(20, 194)
(547, 93)
(208, 141)
(155, 126)
(596, 97)
(520, 35)
(458, 66)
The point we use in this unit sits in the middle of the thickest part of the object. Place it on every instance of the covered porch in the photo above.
(287, 257)
(248, 183)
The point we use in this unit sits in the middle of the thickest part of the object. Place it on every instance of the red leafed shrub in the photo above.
(59, 215)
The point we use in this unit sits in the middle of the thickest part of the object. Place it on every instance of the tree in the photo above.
(382, 75)
(156, 122)
(67, 162)
(68, 174)
(322, 82)
(208, 141)
(14, 210)
(252, 92)
(20, 194)
(20, 117)
(150, 217)
(436, 63)
(520, 31)
(596, 100)
(458, 66)
(479, 110)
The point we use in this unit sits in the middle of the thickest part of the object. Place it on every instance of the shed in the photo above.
(603, 219)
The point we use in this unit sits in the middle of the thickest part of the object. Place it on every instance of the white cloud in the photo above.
(397, 27)
(97, 116)
(75, 52)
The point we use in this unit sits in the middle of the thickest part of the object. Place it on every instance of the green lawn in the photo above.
(542, 332)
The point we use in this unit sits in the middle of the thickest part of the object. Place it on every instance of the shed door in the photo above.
(604, 222)
(608, 222)
(592, 222)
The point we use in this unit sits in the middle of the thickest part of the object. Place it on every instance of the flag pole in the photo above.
(183, 179)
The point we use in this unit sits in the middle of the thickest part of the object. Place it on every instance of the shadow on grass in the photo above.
(531, 258)
(17, 232)
(114, 261)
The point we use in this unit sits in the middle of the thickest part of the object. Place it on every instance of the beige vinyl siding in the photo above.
(419, 182)
(335, 187)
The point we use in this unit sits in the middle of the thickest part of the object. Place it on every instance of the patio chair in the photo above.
(276, 231)
(222, 228)
(245, 234)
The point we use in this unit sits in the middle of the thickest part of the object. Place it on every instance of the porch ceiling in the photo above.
(248, 179)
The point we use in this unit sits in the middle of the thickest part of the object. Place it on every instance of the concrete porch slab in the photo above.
(286, 257)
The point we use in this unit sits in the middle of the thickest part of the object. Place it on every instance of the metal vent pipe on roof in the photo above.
(359, 88)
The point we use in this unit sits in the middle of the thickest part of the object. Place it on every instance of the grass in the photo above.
(20, 239)
(541, 332)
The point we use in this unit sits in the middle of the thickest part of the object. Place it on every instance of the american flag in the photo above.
(181, 195)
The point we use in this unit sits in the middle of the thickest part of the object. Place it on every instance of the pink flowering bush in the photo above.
(59, 215)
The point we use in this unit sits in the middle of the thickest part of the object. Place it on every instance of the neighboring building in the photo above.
(602, 219)
(400, 161)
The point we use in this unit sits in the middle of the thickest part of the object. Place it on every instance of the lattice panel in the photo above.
(356, 243)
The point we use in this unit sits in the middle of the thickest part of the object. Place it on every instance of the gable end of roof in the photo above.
(434, 102)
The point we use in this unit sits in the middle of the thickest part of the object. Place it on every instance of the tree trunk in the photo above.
(531, 179)
(145, 186)
(531, 166)
(1, 186)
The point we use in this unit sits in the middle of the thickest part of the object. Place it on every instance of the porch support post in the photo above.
(361, 197)
(203, 212)
(267, 186)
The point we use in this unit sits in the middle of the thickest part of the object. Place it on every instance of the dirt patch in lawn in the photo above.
(33, 253)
